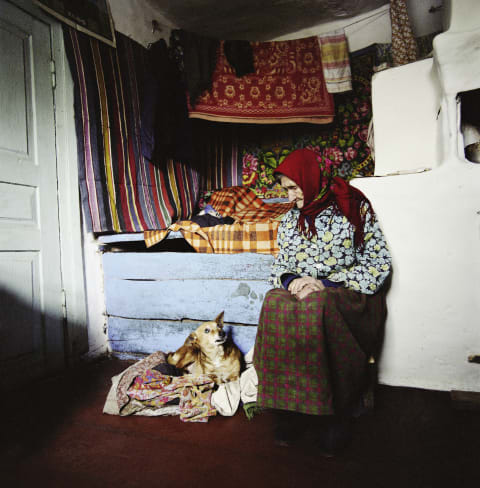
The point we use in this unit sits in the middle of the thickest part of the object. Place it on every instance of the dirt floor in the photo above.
(55, 435)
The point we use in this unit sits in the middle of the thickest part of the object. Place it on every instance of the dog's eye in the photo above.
(207, 331)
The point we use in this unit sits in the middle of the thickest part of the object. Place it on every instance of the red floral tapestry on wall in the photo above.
(287, 86)
(342, 144)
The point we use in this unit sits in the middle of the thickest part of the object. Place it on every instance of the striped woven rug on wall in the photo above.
(216, 155)
(121, 191)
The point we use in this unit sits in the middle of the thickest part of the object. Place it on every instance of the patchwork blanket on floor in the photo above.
(143, 390)
(153, 389)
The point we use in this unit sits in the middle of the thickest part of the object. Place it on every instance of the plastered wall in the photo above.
(432, 219)
(134, 19)
(406, 118)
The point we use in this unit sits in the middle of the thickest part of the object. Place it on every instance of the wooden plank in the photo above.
(132, 237)
(186, 299)
(177, 266)
(135, 336)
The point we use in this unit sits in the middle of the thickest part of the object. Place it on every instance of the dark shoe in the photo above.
(285, 427)
(335, 436)
(283, 438)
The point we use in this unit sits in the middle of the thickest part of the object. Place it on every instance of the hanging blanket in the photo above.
(121, 190)
(255, 229)
(404, 47)
(287, 86)
(336, 61)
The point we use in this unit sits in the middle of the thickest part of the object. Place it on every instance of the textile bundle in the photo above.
(153, 389)
(255, 229)
(256, 237)
(287, 86)
(121, 191)
(142, 389)
(244, 206)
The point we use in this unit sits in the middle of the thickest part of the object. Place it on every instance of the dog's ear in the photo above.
(219, 319)
(191, 340)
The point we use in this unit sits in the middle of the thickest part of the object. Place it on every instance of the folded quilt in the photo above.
(258, 237)
(255, 228)
(243, 205)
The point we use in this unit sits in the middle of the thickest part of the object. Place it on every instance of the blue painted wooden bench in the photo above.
(155, 299)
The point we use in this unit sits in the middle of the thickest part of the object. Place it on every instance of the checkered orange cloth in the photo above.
(243, 205)
(254, 230)
(259, 237)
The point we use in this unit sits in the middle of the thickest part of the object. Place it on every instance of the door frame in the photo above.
(71, 238)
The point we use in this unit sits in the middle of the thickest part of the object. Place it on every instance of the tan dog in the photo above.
(208, 350)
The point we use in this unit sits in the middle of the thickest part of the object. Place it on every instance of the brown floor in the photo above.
(55, 435)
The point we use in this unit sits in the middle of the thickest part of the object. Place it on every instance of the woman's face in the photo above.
(295, 193)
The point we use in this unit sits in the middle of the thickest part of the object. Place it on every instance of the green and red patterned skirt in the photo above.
(311, 355)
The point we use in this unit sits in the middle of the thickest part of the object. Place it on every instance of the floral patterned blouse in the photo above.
(331, 253)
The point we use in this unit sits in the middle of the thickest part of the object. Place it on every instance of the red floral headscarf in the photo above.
(320, 190)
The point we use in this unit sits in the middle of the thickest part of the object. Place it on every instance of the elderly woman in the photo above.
(322, 323)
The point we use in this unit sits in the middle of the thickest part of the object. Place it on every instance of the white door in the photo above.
(31, 318)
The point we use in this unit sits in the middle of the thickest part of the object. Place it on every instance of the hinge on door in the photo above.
(64, 304)
(53, 73)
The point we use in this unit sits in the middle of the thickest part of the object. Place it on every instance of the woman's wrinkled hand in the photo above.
(302, 287)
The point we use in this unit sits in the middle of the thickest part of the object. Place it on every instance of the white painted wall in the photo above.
(96, 310)
(432, 225)
(361, 31)
(134, 19)
(406, 121)
(375, 26)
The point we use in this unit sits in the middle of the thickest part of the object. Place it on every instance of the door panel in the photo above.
(13, 134)
(22, 305)
(31, 331)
